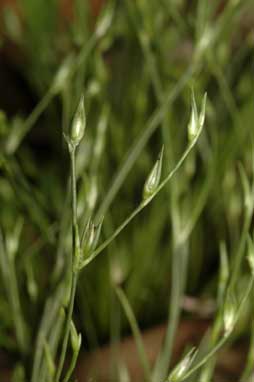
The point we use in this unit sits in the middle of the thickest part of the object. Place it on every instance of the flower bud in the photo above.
(90, 237)
(229, 316)
(78, 124)
(75, 338)
(153, 179)
(196, 121)
(182, 367)
(193, 123)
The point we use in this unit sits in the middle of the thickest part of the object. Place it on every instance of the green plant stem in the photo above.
(236, 266)
(238, 256)
(74, 280)
(151, 126)
(52, 306)
(17, 136)
(54, 337)
(249, 367)
(50, 312)
(21, 332)
(180, 251)
(71, 367)
(11, 285)
(223, 339)
(142, 205)
(74, 274)
(136, 332)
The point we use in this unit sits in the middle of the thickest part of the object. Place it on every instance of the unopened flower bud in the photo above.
(90, 238)
(196, 122)
(182, 367)
(78, 124)
(153, 179)
(75, 338)
(193, 123)
(229, 315)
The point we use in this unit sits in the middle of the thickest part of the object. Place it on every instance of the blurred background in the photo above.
(136, 62)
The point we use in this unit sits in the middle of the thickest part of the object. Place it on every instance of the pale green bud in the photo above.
(78, 124)
(153, 179)
(75, 338)
(182, 367)
(90, 238)
(196, 121)
(193, 125)
(229, 315)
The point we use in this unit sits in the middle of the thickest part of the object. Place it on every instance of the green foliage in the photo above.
(187, 231)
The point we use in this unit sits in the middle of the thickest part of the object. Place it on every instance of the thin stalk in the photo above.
(18, 318)
(50, 312)
(236, 266)
(224, 338)
(142, 205)
(53, 341)
(207, 372)
(53, 303)
(249, 366)
(151, 126)
(16, 138)
(237, 259)
(136, 332)
(10, 282)
(180, 251)
(71, 366)
(179, 270)
(74, 274)
(209, 367)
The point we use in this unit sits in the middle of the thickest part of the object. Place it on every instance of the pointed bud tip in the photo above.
(153, 179)
(79, 123)
(183, 366)
(196, 121)
(229, 315)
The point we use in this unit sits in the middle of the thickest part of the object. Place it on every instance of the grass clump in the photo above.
(93, 218)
